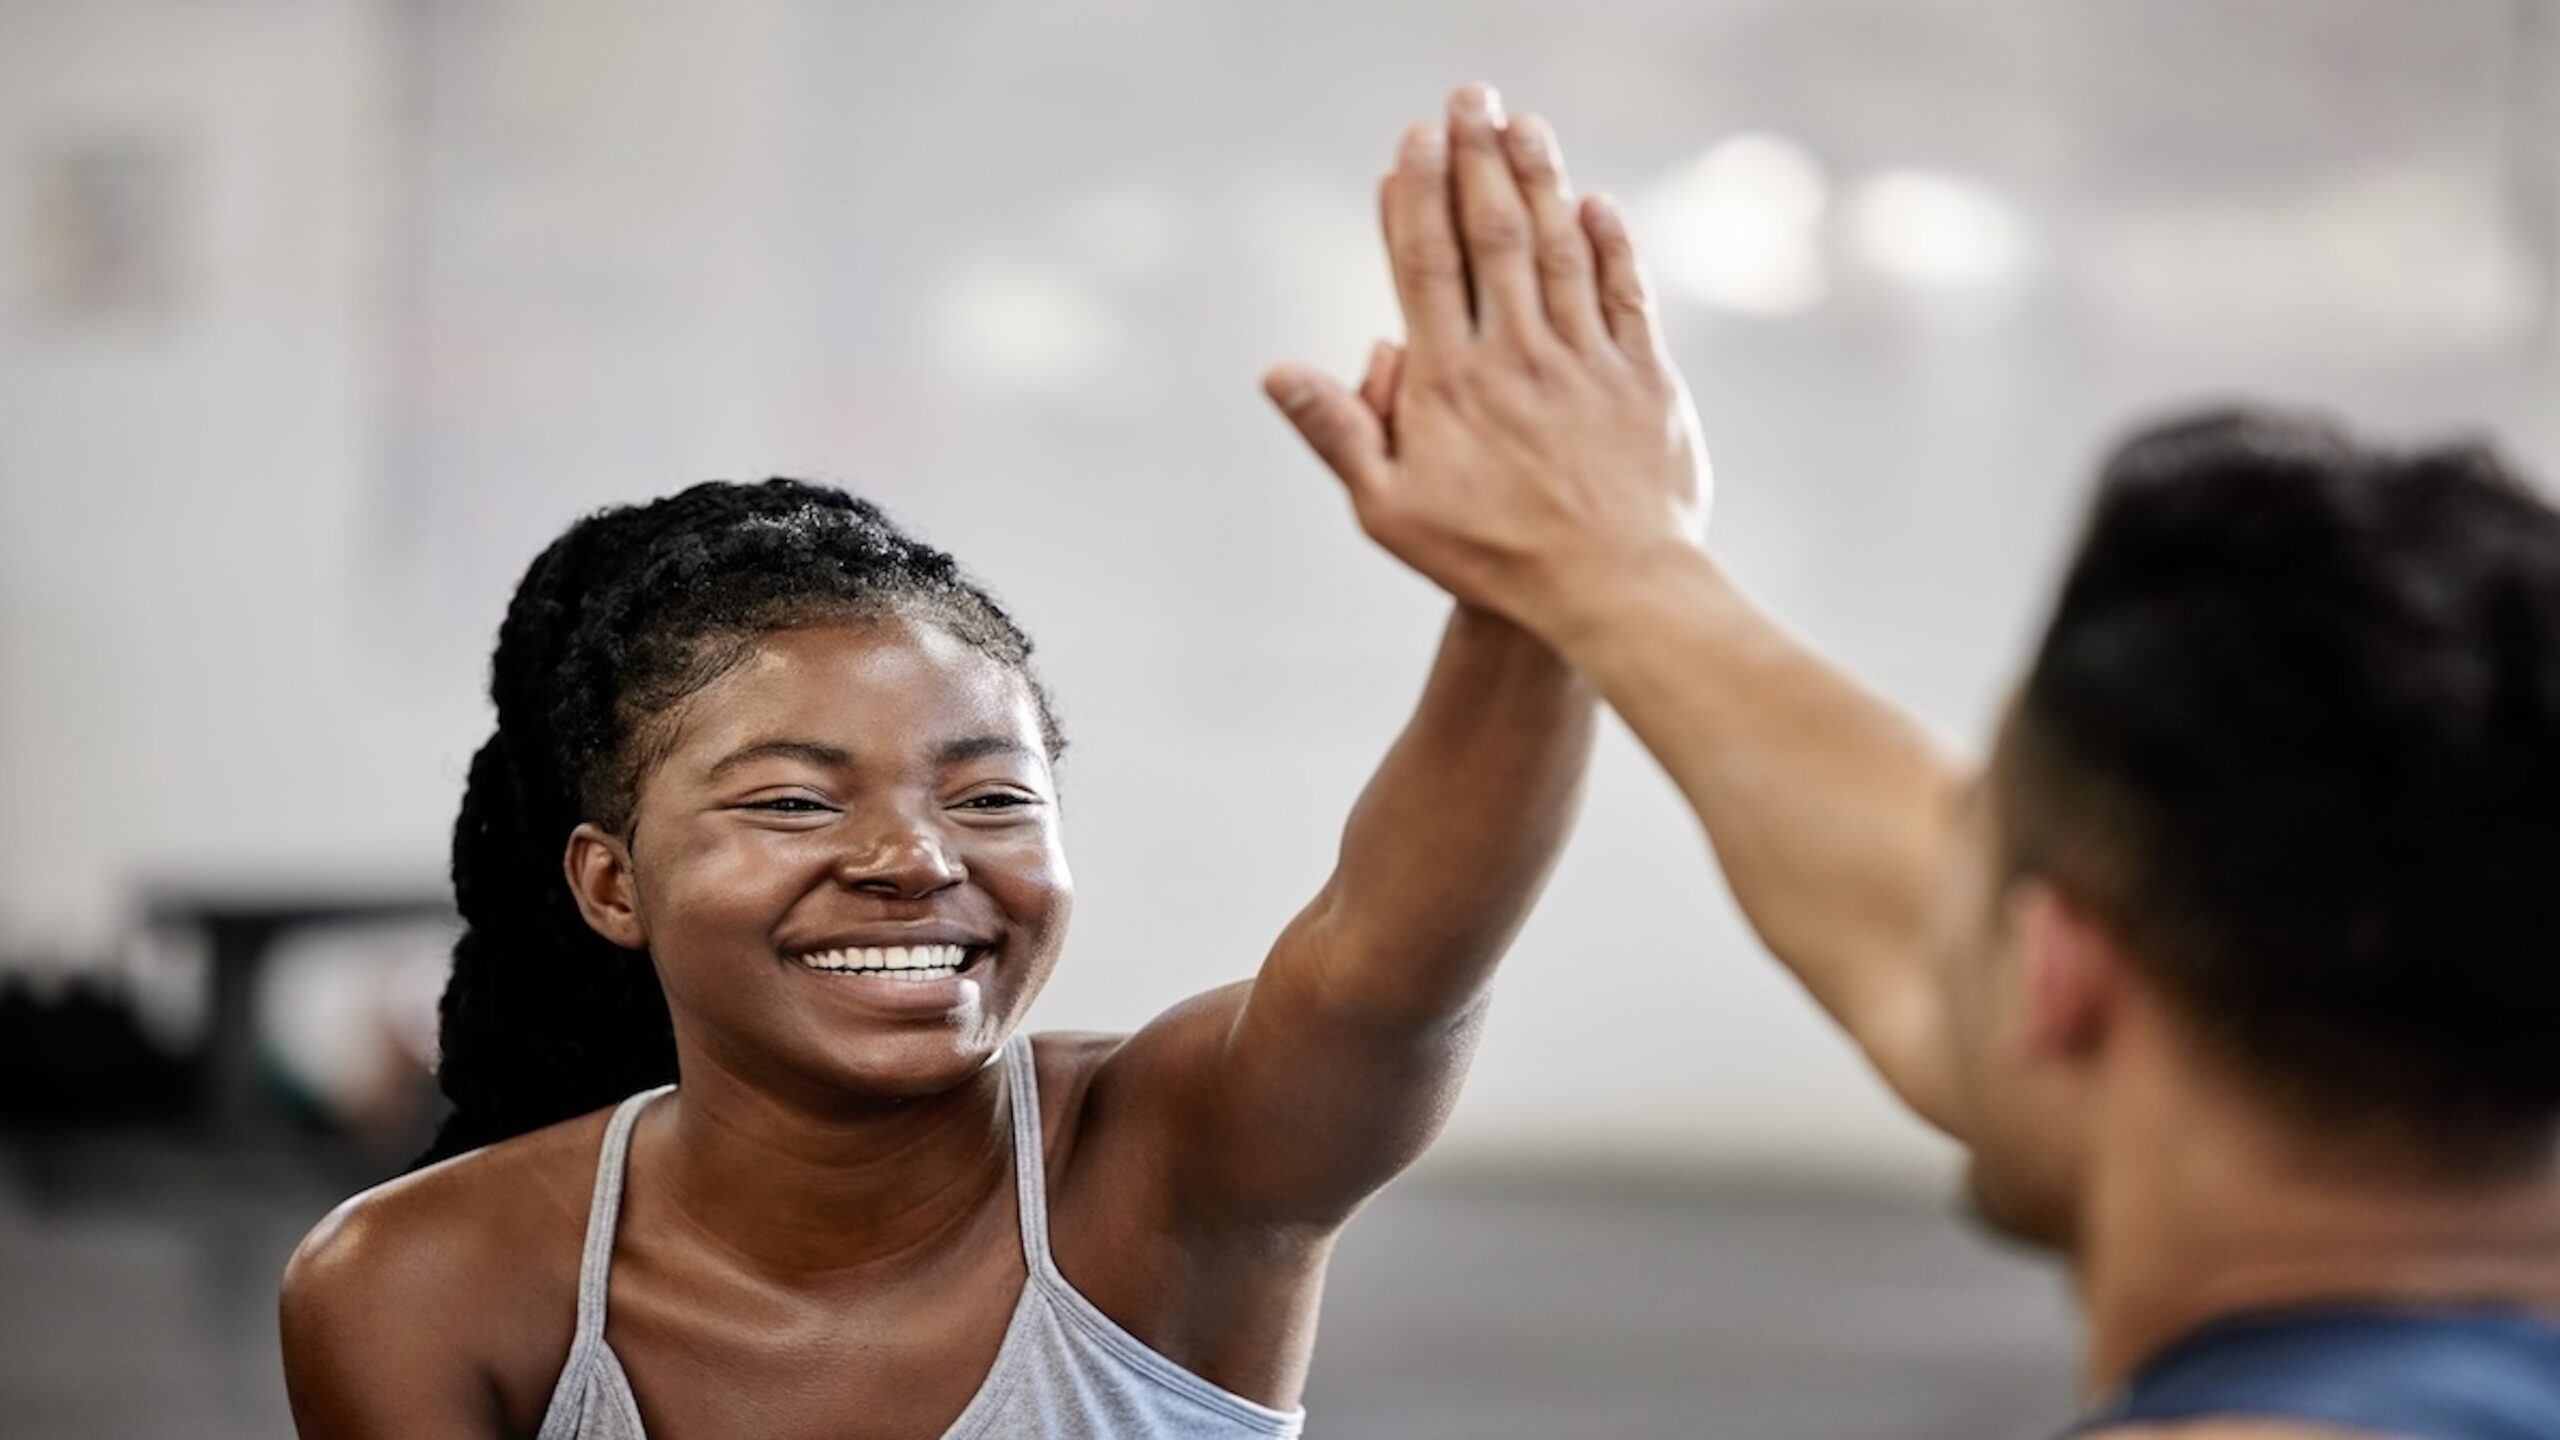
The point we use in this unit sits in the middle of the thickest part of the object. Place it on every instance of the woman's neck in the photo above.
(798, 1190)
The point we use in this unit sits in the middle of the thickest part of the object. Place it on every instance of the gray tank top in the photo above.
(1066, 1370)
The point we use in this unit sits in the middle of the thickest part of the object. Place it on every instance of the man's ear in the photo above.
(2071, 973)
(599, 871)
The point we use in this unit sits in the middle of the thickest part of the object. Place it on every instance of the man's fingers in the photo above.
(1378, 387)
(1344, 432)
(1626, 302)
(1565, 267)
(1422, 240)
(1492, 218)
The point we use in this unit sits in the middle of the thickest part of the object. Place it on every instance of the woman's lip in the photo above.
(884, 993)
(889, 940)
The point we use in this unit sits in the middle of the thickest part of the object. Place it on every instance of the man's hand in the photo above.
(1533, 451)
(1532, 437)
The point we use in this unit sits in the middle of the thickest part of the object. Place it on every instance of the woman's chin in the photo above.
(907, 1063)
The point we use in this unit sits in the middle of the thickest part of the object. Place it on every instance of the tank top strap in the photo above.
(1030, 1161)
(604, 1214)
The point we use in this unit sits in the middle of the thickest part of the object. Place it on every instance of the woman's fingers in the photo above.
(1493, 219)
(1564, 261)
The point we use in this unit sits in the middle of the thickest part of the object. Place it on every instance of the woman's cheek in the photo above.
(740, 879)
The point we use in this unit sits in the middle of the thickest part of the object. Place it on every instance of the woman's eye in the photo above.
(998, 800)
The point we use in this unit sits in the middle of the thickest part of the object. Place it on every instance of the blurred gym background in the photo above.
(319, 317)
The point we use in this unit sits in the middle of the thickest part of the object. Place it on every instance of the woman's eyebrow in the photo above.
(815, 753)
(978, 747)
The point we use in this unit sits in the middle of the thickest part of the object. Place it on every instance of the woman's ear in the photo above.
(599, 870)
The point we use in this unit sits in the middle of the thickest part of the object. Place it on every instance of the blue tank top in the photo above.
(2415, 1374)
(1066, 1371)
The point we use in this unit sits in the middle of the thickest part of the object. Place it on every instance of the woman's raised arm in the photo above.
(1292, 1097)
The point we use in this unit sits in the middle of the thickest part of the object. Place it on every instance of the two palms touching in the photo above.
(1532, 435)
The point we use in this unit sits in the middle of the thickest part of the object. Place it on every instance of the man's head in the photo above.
(2286, 769)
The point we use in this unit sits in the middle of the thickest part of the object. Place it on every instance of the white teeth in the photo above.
(920, 962)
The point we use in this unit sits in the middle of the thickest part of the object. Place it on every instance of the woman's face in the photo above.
(847, 867)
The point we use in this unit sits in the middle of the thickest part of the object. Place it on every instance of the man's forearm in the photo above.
(1830, 810)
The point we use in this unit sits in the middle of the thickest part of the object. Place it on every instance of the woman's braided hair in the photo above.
(628, 613)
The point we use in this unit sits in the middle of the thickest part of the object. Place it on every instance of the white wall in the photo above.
(193, 678)
(468, 269)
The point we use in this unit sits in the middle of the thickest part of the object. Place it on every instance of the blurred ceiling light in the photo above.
(1935, 231)
(1127, 232)
(1007, 323)
(2382, 263)
(1739, 228)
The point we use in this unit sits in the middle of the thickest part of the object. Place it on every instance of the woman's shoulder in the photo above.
(463, 1272)
(1107, 1083)
(1068, 1059)
(487, 1204)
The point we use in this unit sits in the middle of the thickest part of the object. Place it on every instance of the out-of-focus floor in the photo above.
(137, 1282)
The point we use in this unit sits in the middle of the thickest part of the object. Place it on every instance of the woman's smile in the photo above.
(897, 962)
(916, 981)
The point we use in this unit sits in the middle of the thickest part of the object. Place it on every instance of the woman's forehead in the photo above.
(889, 685)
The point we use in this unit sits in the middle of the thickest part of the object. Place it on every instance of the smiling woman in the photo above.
(843, 799)
(631, 624)
(762, 871)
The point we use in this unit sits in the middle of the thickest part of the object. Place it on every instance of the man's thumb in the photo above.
(1346, 434)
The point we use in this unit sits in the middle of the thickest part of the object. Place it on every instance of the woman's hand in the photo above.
(1533, 436)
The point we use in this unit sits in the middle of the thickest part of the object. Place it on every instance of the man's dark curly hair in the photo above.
(2294, 732)
(628, 613)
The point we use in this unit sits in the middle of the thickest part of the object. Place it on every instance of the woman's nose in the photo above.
(904, 861)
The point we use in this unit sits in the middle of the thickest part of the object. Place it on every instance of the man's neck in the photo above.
(2199, 1209)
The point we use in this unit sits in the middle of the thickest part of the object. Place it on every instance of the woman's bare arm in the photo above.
(441, 1304)
(1291, 1098)
(368, 1343)
(1288, 1100)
